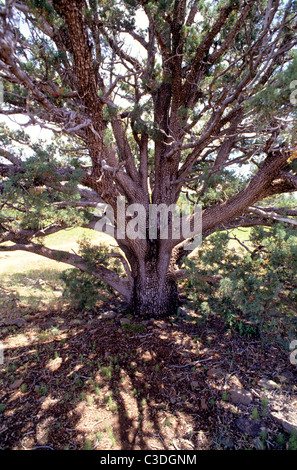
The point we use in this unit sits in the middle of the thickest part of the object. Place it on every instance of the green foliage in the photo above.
(30, 197)
(217, 187)
(250, 282)
(292, 444)
(257, 290)
(41, 390)
(274, 99)
(82, 288)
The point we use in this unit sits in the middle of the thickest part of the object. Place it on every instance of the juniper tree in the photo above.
(158, 100)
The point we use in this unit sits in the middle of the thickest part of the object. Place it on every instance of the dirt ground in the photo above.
(80, 381)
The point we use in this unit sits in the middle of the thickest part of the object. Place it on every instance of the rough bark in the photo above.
(166, 157)
(153, 295)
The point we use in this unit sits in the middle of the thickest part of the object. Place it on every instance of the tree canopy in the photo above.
(150, 101)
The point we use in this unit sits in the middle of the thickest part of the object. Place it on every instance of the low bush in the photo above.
(81, 288)
(257, 290)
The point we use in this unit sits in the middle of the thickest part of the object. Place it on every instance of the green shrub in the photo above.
(292, 444)
(257, 290)
(82, 289)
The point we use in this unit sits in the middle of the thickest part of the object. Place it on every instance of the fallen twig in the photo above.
(192, 363)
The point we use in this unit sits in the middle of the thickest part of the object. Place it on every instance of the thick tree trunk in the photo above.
(155, 292)
(153, 297)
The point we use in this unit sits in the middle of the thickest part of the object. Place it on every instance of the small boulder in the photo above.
(125, 321)
(16, 384)
(249, 426)
(110, 314)
(268, 384)
(288, 420)
(54, 364)
(240, 396)
(215, 373)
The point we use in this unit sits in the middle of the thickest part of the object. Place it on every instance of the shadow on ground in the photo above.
(81, 382)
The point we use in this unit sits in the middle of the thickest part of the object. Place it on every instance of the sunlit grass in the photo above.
(30, 281)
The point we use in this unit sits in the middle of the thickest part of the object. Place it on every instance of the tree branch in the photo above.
(121, 285)
(198, 64)
(271, 215)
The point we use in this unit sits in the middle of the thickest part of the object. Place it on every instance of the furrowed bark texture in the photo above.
(180, 125)
(153, 295)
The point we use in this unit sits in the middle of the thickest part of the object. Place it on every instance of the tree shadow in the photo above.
(96, 384)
